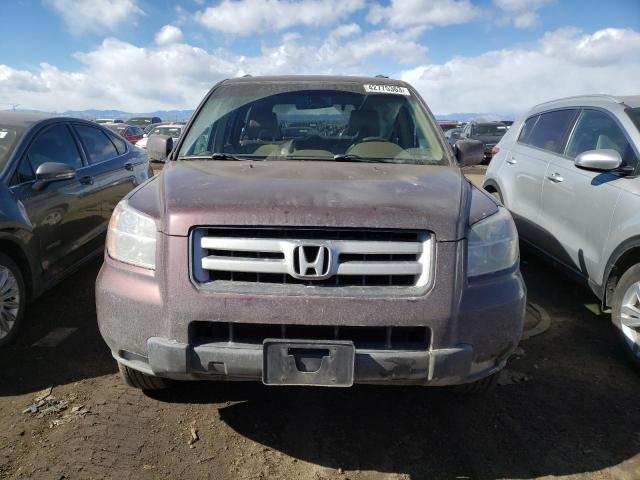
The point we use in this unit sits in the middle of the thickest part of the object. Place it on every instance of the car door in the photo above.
(578, 204)
(66, 214)
(521, 175)
(114, 168)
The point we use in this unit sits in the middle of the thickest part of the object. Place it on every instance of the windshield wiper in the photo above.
(349, 157)
(213, 156)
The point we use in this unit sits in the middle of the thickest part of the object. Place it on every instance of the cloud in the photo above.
(168, 34)
(83, 16)
(510, 81)
(426, 14)
(248, 17)
(177, 75)
(522, 13)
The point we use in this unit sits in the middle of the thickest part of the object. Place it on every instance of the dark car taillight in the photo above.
(494, 151)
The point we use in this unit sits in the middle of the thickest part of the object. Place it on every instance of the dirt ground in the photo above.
(572, 410)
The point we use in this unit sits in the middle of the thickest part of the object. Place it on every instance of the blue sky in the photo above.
(140, 55)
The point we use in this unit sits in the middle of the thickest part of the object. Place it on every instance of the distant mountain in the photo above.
(93, 113)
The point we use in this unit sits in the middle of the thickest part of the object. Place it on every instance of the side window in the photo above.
(55, 144)
(525, 132)
(596, 130)
(551, 130)
(120, 144)
(96, 143)
(24, 172)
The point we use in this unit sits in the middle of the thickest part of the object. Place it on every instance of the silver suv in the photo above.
(568, 172)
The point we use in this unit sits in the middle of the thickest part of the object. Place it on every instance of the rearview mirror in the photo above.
(52, 172)
(603, 160)
(469, 152)
(159, 147)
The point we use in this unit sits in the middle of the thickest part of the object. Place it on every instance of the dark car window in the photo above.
(55, 144)
(551, 130)
(494, 129)
(96, 143)
(120, 144)
(527, 128)
(596, 130)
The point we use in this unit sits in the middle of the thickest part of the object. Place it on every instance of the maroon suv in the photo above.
(350, 249)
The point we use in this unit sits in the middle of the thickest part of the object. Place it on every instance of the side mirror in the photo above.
(600, 160)
(469, 152)
(159, 147)
(52, 172)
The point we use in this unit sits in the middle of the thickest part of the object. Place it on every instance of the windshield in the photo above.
(173, 132)
(489, 129)
(9, 137)
(634, 114)
(281, 121)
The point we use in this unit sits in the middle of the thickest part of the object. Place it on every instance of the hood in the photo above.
(306, 193)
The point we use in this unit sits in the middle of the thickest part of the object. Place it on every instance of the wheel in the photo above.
(625, 312)
(479, 386)
(13, 296)
(140, 380)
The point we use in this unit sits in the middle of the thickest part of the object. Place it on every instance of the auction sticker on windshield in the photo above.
(387, 89)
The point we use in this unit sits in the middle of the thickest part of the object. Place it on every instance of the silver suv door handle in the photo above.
(555, 177)
(512, 161)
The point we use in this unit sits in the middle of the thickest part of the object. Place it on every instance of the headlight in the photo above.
(131, 237)
(492, 244)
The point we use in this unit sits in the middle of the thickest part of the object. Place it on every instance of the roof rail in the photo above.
(246, 75)
(603, 96)
(382, 76)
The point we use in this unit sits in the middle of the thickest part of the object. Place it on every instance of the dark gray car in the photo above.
(489, 133)
(350, 249)
(60, 179)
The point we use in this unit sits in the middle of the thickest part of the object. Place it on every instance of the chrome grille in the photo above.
(356, 259)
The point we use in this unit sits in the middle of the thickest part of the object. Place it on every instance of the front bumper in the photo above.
(145, 317)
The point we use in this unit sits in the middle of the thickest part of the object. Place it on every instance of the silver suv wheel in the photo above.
(630, 317)
(625, 311)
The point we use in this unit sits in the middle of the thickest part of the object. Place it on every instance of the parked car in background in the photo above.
(568, 171)
(489, 133)
(60, 179)
(453, 135)
(446, 125)
(108, 120)
(143, 122)
(173, 130)
(508, 123)
(132, 133)
(356, 254)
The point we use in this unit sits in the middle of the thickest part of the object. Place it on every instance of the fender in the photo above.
(614, 258)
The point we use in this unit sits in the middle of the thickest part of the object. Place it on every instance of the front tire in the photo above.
(625, 312)
(13, 296)
(136, 379)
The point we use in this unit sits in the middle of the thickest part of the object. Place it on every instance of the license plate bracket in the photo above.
(308, 362)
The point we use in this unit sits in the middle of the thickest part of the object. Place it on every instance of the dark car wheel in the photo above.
(12, 299)
(625, 312)
(137, 379)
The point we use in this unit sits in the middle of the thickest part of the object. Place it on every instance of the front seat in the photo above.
(363, 124)
(262, 126)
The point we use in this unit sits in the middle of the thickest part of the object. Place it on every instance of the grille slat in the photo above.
(363, 337)
(352, 258)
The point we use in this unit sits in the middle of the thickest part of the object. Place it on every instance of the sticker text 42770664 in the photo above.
(394, 89)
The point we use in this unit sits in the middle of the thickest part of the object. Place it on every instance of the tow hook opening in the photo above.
(308, 360)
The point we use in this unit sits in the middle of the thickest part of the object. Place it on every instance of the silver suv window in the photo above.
(597, 130)
(549, 130)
